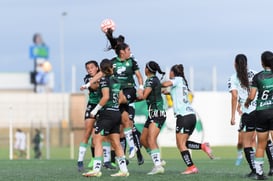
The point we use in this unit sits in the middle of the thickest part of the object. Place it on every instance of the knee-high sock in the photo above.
(186, 156)
(269, 152)
(250, 154)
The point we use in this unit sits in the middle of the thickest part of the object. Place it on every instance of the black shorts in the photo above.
(185, 124)
(88, 110)
(156, 116)
(264, 120)
(130, 94)
(108, 122)
(248, 122)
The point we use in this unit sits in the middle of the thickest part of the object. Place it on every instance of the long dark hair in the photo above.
(106, 66)
(119, 47)
(114, 41)
(153, 67)
(241, 70)
(178, 71)
(267, 59)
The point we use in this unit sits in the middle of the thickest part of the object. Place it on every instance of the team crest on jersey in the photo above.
(120, 70)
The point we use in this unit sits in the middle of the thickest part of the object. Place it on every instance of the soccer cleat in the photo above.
(109, 166)
(132, 152)
(252, 174)
(92, 173)
(156, 170)
(163, 163)
(206, 148)
(90, 164)
(270, 173)
(190, 170)
(80, 166)
(120, 174)
(260, 177)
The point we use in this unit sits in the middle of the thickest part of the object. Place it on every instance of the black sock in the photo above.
(249, 154)
(113, 156)
(269, 152)
(193, 145)
(187, 158)
(92, 151)
(136, 138)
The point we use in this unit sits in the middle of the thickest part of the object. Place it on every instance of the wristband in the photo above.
(141, 87)
(86, 85)
(96, 109)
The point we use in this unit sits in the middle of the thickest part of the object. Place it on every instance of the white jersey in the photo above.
(179, 93)
(20, 141)
(234, 84)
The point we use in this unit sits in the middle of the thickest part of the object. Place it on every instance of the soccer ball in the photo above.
(106, 24)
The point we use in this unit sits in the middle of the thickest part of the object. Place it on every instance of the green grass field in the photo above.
(60, 167)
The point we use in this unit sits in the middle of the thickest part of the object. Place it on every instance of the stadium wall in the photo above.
(64, 113)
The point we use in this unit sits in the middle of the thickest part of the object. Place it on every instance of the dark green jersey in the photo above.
(94, 95)
(154, 100)
(124, 71)
(263, 81)
(112, 83)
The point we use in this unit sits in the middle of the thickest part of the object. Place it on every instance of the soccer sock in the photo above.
(193, 145)
(113, 155)
(148, 150)
(92, 151)
(129, 137)
(123, 144)
(187, 158)
(249, 154)
(259, 165)
(136, 138)
(97, 164)
(239, 153)
(106, 146)
(82, 150)
(122, 163)
(155, 154)
(269, 153)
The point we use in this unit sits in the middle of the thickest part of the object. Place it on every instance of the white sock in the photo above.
(97, 164)
(82, 150)
(122, 163)
(155, 154)
(259, 165)
(106, 152)
(129, 137)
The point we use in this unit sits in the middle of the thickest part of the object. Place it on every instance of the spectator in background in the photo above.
(37, 141)
(20, 144)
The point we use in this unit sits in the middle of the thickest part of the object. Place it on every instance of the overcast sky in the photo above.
(198, 34)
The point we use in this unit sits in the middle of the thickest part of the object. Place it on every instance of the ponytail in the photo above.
(178, 71)
(153, 67)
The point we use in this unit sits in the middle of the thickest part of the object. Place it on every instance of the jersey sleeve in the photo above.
(86, 78)
(135, 65)
(174, 82)
(254, 81)
(232, 83)
(104, 82)
(151, 82)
